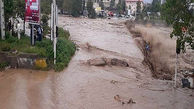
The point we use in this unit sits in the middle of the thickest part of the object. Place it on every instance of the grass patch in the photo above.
(23, 45)
(63, 33)
(65, 48)
(3, 65)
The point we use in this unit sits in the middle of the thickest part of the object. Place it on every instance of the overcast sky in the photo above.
(148, 1)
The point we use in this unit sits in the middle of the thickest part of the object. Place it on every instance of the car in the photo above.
(110, 14)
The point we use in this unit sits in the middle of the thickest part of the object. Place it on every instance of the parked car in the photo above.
(110, 14)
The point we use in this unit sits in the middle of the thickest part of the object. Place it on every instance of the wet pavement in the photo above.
(81, 86)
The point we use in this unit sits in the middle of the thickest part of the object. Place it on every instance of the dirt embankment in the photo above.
(159, 50)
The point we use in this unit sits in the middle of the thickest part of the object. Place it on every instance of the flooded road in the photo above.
(82, 86)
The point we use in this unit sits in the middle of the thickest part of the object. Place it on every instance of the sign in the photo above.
(32, 14)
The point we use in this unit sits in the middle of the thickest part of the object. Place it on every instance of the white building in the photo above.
(132, 5)
(96, 3)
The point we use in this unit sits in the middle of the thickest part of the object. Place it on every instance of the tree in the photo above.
(9, 11)
(179, 14)
(76, 8)
(130, 7)
(60, 3)
(121, 7)
(139, 6)
(124, 6)
(44, 24)
(112, 4)
(156, 5)
(101, 4)
(91, 11)
(138, 11)
(19, 8)
(46, 6)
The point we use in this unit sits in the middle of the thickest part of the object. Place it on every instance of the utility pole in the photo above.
(54, 27)
(51, 21)
(2, 20)
(176, 71)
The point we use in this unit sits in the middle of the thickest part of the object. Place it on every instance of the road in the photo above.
(82, 86)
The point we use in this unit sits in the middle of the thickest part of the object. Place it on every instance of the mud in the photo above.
(81, 86)
(108, 61)
(160, 57)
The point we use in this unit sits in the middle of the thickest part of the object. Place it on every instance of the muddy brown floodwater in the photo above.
(82, 86)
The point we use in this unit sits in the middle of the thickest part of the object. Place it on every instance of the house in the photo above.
(132, 5)
(96, 3)
(163, 1)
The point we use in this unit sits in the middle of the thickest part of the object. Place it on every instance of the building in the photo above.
(96, 3)
(132, 5)
(163, 1)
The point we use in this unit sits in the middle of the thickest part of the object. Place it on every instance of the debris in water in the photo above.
(107, 61)
(117, 62)
(117, 98)
(97, 62)
(131, 101)
(113, 82)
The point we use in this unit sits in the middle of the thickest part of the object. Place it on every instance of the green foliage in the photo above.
(23, 45)
(139, 7)
(5, 47)
(156, 5)
(60, 3)
(139, 11)
(45, 6)
(65, 50)
(9, 12)
(121, 7)
(91, 11)
(19, 8)
(67, 4)
(76, 8)
(64, 33)
(3, 65)
(101, 4)
(178, 14)
(112, 4)
(45, 26)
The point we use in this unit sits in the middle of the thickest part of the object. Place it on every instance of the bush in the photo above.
(5, 47)
(59, 66)
(65, 50)
(45, 26)
(63, 33)
(3, 65)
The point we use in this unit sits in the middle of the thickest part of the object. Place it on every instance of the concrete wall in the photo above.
(30, 61)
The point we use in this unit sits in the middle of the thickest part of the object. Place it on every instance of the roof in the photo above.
(134, 0)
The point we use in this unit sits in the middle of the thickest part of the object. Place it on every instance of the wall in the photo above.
(30, 61)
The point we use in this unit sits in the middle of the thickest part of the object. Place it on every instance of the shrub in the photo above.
(59, 66)
(3, 65)
(63, 33)
(65, 50)
(5, 47)
(45, 26)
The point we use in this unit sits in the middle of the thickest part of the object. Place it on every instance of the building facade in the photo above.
(132, 5)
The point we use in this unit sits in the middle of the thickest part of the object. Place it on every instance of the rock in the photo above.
(117, 62)
(97, 62)
(131, 101)
(113, 82)
(117, 98)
